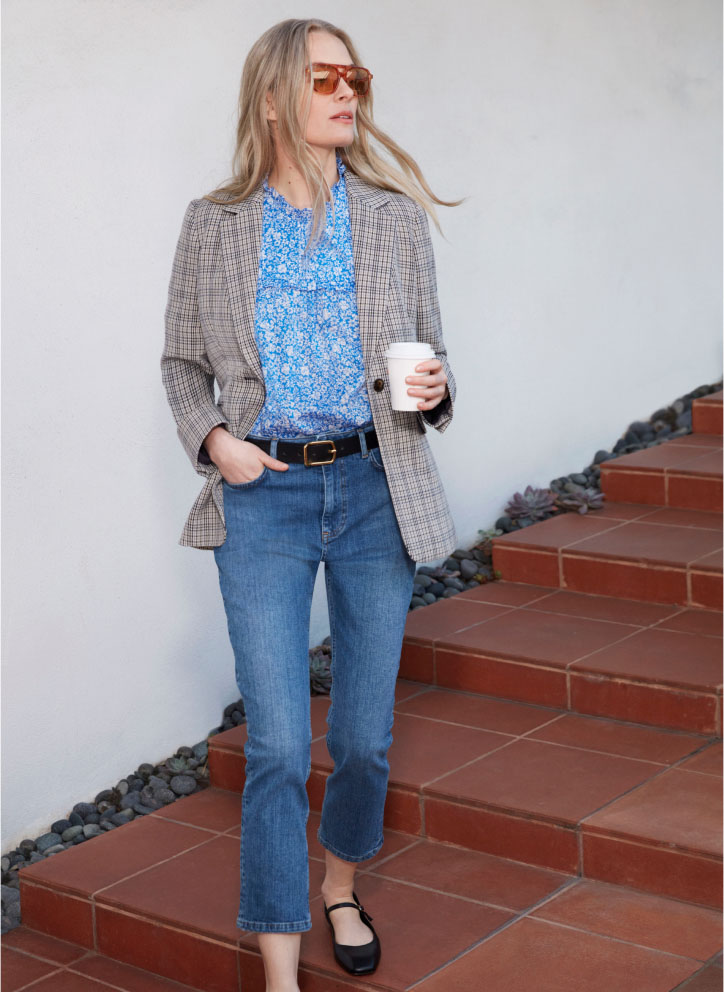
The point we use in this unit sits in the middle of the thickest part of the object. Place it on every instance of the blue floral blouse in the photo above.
(306, 325)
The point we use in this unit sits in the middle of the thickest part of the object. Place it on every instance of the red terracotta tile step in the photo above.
(445, 914)
(649, 663)
(52, 965)
(589, 936)
(626, 550)
(706, 414)
(684, 472)
(538, 798)
(522, 781)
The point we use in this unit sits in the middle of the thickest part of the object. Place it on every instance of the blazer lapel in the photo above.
(241, 229)
(373, 248)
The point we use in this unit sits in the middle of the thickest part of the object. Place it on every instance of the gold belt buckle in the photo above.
(329, 460)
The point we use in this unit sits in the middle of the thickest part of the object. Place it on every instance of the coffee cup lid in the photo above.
(409, 349)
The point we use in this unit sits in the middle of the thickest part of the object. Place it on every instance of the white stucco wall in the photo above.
(580, 288)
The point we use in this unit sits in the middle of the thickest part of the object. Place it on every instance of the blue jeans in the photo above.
(279, 527)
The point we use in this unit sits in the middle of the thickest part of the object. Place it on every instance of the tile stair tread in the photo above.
(555, 628)
(697, 440)
(683, 471)
(716, 398)
(701, 457)
(646, 537)
(657, 537)
(442, 910)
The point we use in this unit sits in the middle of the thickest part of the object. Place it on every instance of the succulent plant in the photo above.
(485, 544)
(581, 500)
(532, 505)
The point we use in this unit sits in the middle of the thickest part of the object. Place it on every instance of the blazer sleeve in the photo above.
(186, 372)
(429, 327)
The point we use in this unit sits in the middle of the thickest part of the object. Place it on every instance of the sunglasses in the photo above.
(326, 76)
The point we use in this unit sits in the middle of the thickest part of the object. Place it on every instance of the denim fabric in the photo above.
(280, 526)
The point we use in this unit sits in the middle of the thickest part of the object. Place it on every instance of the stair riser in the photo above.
(706, 418)
(653, 705)
(679, 874)
(176, 954)
(609, 577)
(57, 913)
(660, 870)
(686, 492)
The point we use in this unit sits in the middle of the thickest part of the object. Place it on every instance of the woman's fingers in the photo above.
(275, 463)
(431, 386)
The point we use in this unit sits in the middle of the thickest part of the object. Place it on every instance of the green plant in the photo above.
(491, 532)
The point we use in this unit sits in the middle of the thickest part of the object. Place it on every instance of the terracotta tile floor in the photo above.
(538, 764)
(681, 472)
(703, 458)
(707, 414)
(645, 537)
(553, 822)
(627, 659)
(53, 965)
(446, 916)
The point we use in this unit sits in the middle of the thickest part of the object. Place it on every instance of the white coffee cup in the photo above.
(402, 357)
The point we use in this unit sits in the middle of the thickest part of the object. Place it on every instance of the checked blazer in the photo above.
(209, 335)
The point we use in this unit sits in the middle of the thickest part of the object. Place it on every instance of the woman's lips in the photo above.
(343, 120)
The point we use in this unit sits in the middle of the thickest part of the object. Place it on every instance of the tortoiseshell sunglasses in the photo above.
(326, 77)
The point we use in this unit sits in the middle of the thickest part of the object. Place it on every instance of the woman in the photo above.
(287, 286)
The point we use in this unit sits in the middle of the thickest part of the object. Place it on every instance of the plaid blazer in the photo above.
(209, 334)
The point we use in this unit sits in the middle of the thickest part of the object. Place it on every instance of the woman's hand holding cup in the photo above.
(432, 386)
(404, 359)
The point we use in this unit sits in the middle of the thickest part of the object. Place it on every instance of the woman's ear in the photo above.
(271, 113)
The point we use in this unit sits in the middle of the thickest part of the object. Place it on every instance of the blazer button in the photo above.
(379, 385)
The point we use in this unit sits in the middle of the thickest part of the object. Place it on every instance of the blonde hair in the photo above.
(276, 63)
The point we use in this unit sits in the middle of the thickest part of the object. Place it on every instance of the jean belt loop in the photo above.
(273, 447)
(362, 442)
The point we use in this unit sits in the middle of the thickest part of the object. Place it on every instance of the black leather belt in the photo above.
(322, 452)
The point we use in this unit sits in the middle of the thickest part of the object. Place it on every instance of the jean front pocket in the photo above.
(247, 485)
(376, 458)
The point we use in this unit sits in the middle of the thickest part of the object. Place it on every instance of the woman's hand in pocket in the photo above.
(237, 460)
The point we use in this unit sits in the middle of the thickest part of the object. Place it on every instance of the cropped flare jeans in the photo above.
(280, 526)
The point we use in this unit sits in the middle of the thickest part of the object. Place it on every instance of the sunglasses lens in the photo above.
(359, 81)
(325, 80)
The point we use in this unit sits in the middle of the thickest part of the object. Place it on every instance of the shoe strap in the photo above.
(354, 905)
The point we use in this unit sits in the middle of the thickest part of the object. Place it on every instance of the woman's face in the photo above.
(323, 130)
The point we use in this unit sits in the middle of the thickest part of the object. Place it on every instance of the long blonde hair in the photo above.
(276, 63)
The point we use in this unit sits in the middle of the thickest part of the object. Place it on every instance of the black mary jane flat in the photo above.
(357, 959)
